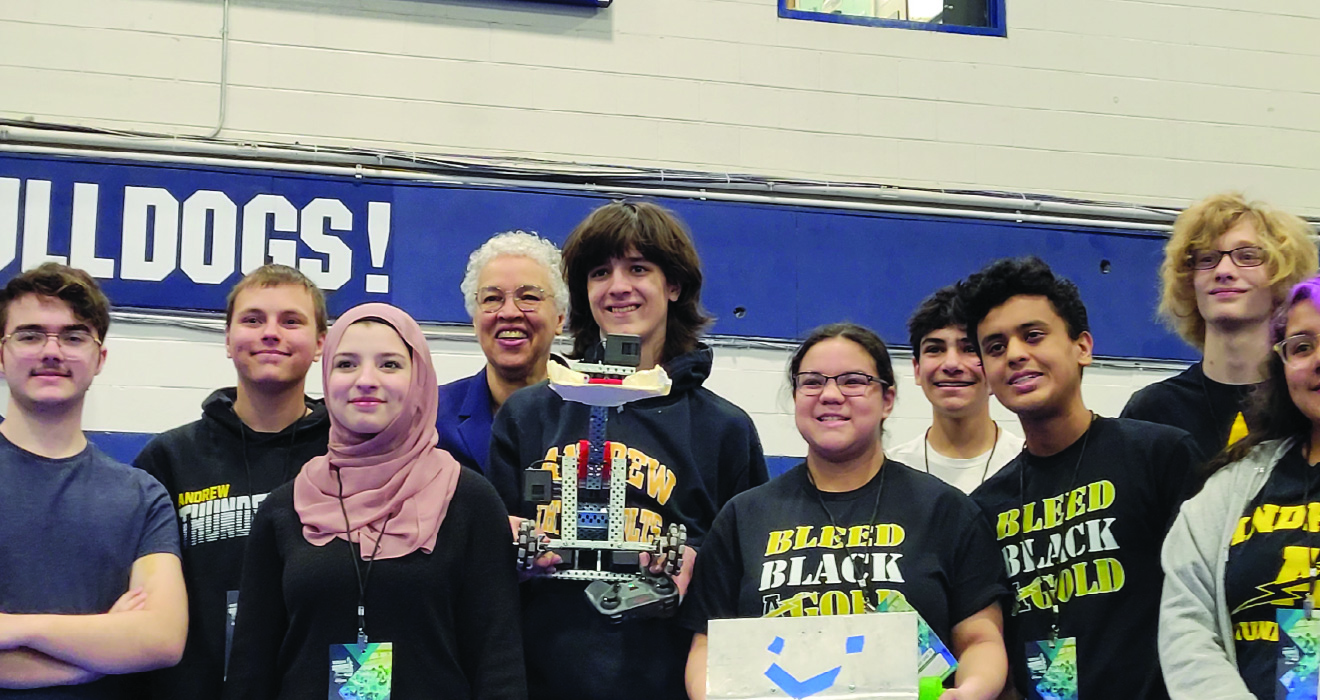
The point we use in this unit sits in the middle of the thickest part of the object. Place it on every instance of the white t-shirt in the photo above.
(964, 474)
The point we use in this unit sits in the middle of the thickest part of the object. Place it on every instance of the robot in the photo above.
(592, 493)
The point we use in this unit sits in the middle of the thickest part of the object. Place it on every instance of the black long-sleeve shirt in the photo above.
(452, 615)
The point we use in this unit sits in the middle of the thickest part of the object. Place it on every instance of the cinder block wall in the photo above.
(1146, 101)
(157, 376)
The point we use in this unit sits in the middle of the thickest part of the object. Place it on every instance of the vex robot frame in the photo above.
(592, 492)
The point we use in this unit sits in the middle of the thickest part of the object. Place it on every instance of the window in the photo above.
(958, 16)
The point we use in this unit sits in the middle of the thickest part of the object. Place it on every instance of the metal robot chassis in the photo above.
(592, 491)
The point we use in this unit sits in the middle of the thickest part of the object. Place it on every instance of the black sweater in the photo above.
(688, 453)
(452, 614)
(217, 471)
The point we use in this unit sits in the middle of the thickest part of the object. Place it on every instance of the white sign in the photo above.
(842, 656)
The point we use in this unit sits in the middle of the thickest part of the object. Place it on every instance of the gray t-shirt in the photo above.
(72, 529)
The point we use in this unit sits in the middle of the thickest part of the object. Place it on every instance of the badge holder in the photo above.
(231, 616)
(1299, 634)
(935, 662)
(361, 671)
(1052, 667)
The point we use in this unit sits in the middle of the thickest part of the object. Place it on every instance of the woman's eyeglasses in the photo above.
(527, 298)
(849, 383)
(1296, 348)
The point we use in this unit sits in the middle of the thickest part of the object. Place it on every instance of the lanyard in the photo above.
(985, 470)
(362, 580)
(1214, 417)
(865, 578)
(1308, 537)
(1022, 538)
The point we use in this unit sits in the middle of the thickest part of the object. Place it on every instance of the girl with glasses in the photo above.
(631, 268)
(850, 532)
(382, 570)
(1239, 562)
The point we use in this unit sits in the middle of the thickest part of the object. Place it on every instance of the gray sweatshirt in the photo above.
(1196, 631)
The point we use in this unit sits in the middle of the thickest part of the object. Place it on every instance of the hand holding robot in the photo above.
(628, 579)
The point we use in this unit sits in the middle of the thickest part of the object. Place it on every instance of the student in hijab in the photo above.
(384, 566)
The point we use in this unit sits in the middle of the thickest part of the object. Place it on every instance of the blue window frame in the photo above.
(989, 23)
(587, 3)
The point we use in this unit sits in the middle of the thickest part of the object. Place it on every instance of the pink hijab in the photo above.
(397, 475)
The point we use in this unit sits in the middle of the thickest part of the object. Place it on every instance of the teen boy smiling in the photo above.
(1080, 515)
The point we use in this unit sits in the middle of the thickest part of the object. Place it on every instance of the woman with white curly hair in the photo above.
(514, 290)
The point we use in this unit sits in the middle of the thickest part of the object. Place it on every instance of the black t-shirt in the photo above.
(1205, 408)
(1095, 518)
(774, 551)
(1269, 566)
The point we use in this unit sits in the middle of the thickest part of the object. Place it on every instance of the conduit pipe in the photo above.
(224, 71)
(20, 140)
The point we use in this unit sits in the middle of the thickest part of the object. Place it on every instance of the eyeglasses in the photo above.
(1244, 256)
(527, 298)
(849, 383)
(31, 342)
(1296, 348)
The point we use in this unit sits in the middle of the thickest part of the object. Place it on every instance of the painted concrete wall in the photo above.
(1158, 101)
(1125, 100)
(157, 376)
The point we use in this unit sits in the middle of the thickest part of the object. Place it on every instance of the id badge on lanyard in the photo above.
(231, 615)
(1052, 668)
(361, 671)
(1299, 635)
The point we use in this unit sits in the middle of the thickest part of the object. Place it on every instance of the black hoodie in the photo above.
(217, 471)
(688, 453)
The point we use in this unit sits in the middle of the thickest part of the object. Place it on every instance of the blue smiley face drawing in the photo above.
(798, 689)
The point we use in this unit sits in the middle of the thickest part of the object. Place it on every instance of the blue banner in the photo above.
(176, 237)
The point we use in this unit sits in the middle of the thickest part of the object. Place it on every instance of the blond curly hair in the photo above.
(1288, 242)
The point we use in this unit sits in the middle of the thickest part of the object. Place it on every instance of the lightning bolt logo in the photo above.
(1292, 583)
(1284, 594)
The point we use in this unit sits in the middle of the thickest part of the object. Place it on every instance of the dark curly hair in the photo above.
(1004, 279)
(68, 284)
(657, 234)
(939, 310)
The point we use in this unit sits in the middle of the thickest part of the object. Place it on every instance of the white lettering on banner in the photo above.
(378, 237)
(82, 239)
(338, 266)
(36, 225)
(8, 219)
(134, 264)
(199, 236)
(203, 207)
(284, 218)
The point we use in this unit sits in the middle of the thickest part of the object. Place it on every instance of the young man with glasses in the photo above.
(963, 446)
(1079, 515)
(90, 579)
(250, 439)
(1226, 268)
(514, 290)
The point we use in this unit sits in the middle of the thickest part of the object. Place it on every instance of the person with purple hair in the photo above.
(1239, 561)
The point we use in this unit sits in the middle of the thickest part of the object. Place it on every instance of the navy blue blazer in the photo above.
(464, 419)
